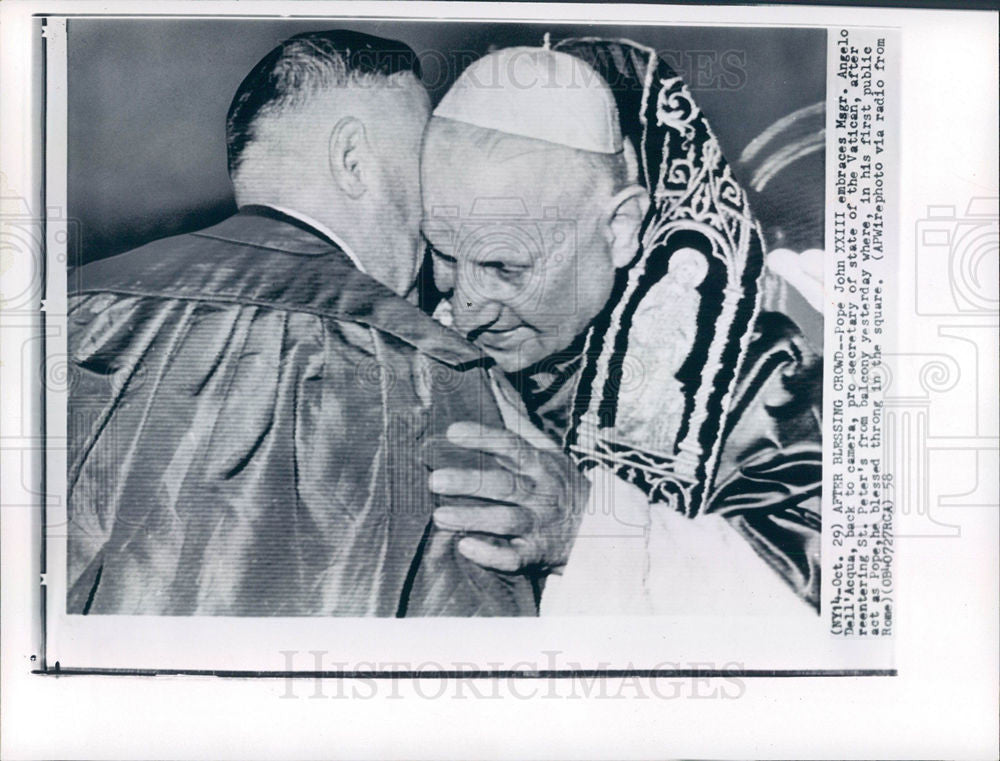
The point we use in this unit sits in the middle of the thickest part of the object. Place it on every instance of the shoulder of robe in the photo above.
(250, 260)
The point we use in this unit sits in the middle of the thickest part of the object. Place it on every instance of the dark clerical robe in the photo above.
(246, 427)
(769, 478)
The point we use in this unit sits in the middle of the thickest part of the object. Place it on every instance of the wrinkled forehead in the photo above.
(468, 168)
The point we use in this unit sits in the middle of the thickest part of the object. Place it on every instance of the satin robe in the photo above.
(247, 418)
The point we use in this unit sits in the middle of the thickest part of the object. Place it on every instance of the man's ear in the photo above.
(348, 149)
(625, 212)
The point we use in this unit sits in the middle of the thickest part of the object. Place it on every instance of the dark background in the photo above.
(148, 100)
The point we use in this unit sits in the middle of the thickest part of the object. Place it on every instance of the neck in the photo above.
(319, 216)
(349, 223)
(323, 213)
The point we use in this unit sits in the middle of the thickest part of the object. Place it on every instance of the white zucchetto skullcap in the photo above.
(537, 93)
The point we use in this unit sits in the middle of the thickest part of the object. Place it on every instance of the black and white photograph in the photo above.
(385, 320)
(399, 319)
(558, 353)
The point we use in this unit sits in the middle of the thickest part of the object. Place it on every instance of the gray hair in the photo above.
(304, 66)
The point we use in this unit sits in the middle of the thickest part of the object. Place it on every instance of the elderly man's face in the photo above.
(520, 247)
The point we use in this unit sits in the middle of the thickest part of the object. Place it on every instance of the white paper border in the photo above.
(943, 704)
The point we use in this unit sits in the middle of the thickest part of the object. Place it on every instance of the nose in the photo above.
(472, 306)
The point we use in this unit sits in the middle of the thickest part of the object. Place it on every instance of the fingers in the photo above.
(501, 443)
(516, 418)
(496, 557)
(499, 520)
(495, 484)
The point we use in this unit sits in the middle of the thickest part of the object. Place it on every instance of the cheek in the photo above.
(413, 183)
(576, 291)
(597, 275)
(595, 289)
(401, 187)
(554, 296)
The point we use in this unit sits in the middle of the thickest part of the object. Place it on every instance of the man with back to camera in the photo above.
(534, 208)
(252, 400)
